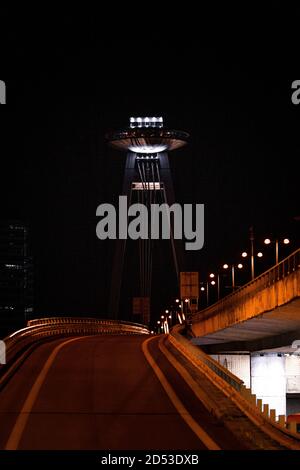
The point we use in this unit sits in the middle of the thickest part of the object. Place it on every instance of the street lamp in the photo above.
(285, 241)
(206, 288)
(251, 237)
(239, 266)
(180, 304)
(213, 282)
(166, 326)
(259, 255)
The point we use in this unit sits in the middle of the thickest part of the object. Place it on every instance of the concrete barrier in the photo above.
(274, 288)
(240, 395)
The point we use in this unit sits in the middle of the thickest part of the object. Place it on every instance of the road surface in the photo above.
(104, 392)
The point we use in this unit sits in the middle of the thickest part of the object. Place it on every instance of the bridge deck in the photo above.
(100, 392)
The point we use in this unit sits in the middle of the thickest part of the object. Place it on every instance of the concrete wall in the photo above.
(292, 372)
(270, 376)
(237, 364)
(268, 381)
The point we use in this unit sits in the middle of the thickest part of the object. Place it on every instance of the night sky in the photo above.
(65, 91)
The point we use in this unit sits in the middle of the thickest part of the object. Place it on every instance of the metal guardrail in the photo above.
(45, 328)
(86, 320)
(209, 362)
(283, 269)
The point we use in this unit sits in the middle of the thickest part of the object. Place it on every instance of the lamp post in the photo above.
(169, 315)
(239, 266)
(202, 289)
(180, 305)
(213, 282)
(252, 252)
(285, 241)
(187, 304)
(206, 288)
(259, 255)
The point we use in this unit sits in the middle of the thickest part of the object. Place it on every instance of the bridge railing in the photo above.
(45, 328)
(85, 320)
(207, 361)
(283, 269)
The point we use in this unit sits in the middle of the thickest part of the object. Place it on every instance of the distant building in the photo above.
(16, 277)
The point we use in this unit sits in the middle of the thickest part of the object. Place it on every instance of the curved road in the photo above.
(105, 392)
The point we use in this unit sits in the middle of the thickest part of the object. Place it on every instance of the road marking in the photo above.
(20, 424)
(185, 415)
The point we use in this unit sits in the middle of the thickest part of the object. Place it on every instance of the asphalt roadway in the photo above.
(105, 392)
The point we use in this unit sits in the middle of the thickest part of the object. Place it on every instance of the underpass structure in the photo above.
(254, 333)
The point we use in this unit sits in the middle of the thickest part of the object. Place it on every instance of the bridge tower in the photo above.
(147, 180)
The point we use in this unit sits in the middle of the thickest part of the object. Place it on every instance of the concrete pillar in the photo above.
(266, 410)
(259, 404)
(281, 420)
(247, 393)
(268, 381)
(253, 399)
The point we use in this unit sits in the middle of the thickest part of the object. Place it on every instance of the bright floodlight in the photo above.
(213, 283)
(244, 255)
(166, 311)
(147, 135)
(260, 254)
(212, 275)
(170, 316)
(286, 241)
(158, 322)
(186, 300)
(177, 301)
(146, 122)
(202, 288)
(267, 241)
(225, 266)
(240, 266)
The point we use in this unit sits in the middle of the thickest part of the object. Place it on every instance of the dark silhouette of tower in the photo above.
(147, 179)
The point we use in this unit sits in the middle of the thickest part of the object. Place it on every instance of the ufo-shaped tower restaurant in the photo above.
(147, 179)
